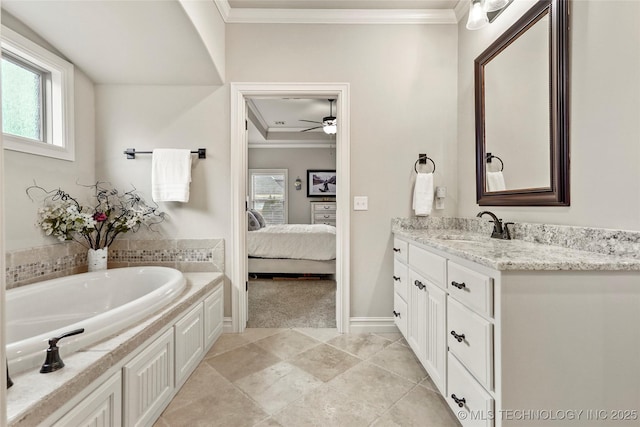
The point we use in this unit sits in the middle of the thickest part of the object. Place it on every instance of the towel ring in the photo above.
(425, 158)
(491, 156)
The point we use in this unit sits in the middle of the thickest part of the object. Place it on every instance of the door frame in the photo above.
(239, 166)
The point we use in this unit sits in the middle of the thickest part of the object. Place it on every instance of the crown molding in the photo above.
(461, 9)
(224, 8)
(337, 16)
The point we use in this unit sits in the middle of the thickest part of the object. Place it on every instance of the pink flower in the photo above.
(100, 216)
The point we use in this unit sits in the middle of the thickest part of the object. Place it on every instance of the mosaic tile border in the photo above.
(27, 266)
(625, 243)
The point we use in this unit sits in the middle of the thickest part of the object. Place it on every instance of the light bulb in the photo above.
(477, 16)
(493, 5)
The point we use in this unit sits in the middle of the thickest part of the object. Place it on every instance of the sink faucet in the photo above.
(500, 231)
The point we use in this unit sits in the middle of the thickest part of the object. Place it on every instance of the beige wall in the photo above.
(605, 117)
(21, 169)
(296, 161)
(403, 92)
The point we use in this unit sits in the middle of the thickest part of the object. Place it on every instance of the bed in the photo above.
(292, 248)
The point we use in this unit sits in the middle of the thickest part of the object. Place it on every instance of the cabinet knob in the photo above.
(458, 285)
(459, 400)
(396, 278)
(419, 284)
(458, 337)
(396, 250)
(396, 314)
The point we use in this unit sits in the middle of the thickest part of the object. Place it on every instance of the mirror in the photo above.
(522, 131)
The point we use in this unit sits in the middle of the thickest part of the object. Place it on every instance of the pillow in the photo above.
(252, 222)
(259, 217)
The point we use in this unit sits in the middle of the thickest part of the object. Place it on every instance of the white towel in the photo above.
(495, 181)
(170, 175)
(423, 194)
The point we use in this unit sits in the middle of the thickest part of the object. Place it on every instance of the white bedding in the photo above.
(293, 241)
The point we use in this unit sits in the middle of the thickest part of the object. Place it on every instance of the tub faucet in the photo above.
(53, 362)
(500, 231)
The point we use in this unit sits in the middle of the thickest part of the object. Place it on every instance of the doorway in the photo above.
(240, 93)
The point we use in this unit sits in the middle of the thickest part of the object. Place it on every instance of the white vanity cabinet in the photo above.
(520, 348)
(419, 306)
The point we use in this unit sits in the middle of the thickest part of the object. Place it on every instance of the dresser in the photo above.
(521, 334)
(323, 213)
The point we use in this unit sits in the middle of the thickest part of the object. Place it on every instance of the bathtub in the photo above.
(103, 303)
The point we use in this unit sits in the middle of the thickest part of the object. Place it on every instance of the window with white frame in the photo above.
(37, 99)
(268, 194)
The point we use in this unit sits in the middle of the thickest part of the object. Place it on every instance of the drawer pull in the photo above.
(396, 278)
(396, 314)
(327, 207)
(419, 284)
(326, 216)
(460, 401)
(460, 337)
(458, 285)
(396, 250)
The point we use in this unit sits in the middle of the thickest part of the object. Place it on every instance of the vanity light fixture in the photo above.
(298, 183)
(484, 12)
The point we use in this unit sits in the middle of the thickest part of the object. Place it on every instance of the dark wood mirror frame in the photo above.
(558, 193)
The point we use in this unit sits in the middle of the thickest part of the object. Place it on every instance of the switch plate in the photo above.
(361, 203)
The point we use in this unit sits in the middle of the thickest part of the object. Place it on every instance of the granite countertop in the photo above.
(35, 396)
(515, 254)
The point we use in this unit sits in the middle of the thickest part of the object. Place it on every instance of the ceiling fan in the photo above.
(328, 124)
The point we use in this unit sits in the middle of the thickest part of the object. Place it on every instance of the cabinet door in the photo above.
(417, 328)
(436, 349)
(148, 382)
(213, 317)
(101, 408)
(189, 343)
(400, 314)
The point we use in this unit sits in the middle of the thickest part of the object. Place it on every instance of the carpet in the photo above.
(292, 304)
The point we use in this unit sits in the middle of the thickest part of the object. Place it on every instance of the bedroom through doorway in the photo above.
(291, 218)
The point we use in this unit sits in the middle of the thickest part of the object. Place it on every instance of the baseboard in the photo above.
(227, 325)
(363, 325)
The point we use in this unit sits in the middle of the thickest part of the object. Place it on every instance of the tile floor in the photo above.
(308, 377)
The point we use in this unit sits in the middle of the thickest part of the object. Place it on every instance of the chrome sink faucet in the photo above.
(500, 231)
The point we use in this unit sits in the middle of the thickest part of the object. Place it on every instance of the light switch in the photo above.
(361, 203)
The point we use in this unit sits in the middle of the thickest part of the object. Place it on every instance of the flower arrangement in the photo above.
(96, 226)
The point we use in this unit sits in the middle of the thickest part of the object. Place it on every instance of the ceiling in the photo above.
(344, 4)
(275, 122)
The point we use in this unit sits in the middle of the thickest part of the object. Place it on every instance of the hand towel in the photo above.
(495, 181)
(423, 194)
(170, 175)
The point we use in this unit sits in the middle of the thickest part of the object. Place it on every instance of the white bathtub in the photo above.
(103, 303)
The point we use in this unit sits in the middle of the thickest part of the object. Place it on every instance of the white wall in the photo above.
(296, 161)
(403, 92)
(21, 169)
(605, 116)
(148, 117)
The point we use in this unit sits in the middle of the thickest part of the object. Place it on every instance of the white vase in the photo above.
(97, 259)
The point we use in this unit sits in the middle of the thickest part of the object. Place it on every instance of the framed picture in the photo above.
(321, 183)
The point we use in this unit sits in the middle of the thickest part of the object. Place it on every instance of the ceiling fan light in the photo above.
(330, 127)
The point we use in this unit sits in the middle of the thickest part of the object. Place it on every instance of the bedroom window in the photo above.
(268, 194)
(37, 99)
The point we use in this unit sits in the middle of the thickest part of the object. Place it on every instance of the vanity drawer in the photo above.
(400, 249)
(471, 288)
(473, 341)
(400, 278)
(432, 266)
(324, 216)
(400, 314)
(475, 401)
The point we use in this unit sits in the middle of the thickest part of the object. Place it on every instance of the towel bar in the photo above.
(131, 153)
